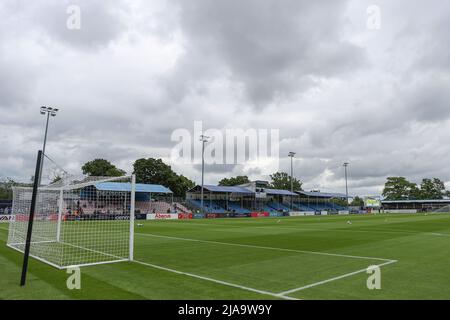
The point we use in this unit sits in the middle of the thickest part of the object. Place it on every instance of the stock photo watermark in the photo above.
(374, 280)
(74, 280)
(251, 148)
(73, 21)
(373, 17)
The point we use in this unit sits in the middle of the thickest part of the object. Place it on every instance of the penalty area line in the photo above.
(263, 247)
(333, 279)
(229, 284)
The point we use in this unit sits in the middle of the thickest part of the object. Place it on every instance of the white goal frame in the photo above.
(63, 235)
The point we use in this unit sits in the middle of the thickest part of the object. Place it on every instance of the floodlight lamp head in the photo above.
(291, 154)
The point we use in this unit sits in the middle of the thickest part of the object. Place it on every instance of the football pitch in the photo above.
(319, 257)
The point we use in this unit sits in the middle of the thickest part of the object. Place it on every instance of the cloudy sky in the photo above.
(338, 80)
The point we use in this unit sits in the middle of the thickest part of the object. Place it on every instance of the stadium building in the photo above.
(257, 199)
(413, 206)
(5, 206)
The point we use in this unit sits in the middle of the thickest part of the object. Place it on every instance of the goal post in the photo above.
(77, 222)
(132, 210)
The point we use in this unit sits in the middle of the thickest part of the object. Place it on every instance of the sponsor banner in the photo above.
(216, 215)
(323, 213)
(276, 214)
(259, 214)
(302, 213)
(184, 216)
(91, 217)
(162, 216)
(400, 211)
(343, 212)
(140, 216)
(7, 218)
(240, 215)
(199, 216)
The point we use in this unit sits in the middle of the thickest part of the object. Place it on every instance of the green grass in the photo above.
(257, 259)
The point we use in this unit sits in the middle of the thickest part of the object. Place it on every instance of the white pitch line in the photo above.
(332, 279)
(229, 284)
(266, 248)
(395, 231)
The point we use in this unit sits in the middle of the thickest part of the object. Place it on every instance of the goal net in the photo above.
(76, 222)
(443, 209)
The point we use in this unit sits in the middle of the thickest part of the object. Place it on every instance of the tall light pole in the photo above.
(346, 181)
(291, 155)
(48, 112)
(204, 139)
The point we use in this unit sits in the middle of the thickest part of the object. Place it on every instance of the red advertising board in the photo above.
(185, 216)
(259, 214)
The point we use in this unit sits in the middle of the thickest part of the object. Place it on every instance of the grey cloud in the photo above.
(269, 47)
(100, 21)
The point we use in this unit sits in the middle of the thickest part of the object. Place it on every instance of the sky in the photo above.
(364, 82)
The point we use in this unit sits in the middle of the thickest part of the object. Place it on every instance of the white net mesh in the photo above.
(77, 222)
(443, 209)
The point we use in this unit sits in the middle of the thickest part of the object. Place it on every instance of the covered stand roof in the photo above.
(223, 189)
(322, 194)
(126, 187)
(241, 190)
(417, 201)
(278, 192)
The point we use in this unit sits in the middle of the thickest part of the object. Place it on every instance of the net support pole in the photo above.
(60, 208)
(132, 206)
(26, 255)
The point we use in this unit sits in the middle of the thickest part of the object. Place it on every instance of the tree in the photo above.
(234, 181)
(398, 188)
(432, 189)
(179, 185)
(6, 189)
(152, 171)
(56, 179)
(155, 171)
(357, 202)
(6, 186)
(101, 168)
(282, 181)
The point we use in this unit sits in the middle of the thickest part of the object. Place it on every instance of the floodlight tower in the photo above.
(346, 180)
(48, 112)
(291, 155)
(204, 139)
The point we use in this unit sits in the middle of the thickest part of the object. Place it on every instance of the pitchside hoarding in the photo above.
(162, 216)
(7, 218)
(259, 214)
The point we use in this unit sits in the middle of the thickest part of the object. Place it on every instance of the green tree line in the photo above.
(399, 188)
